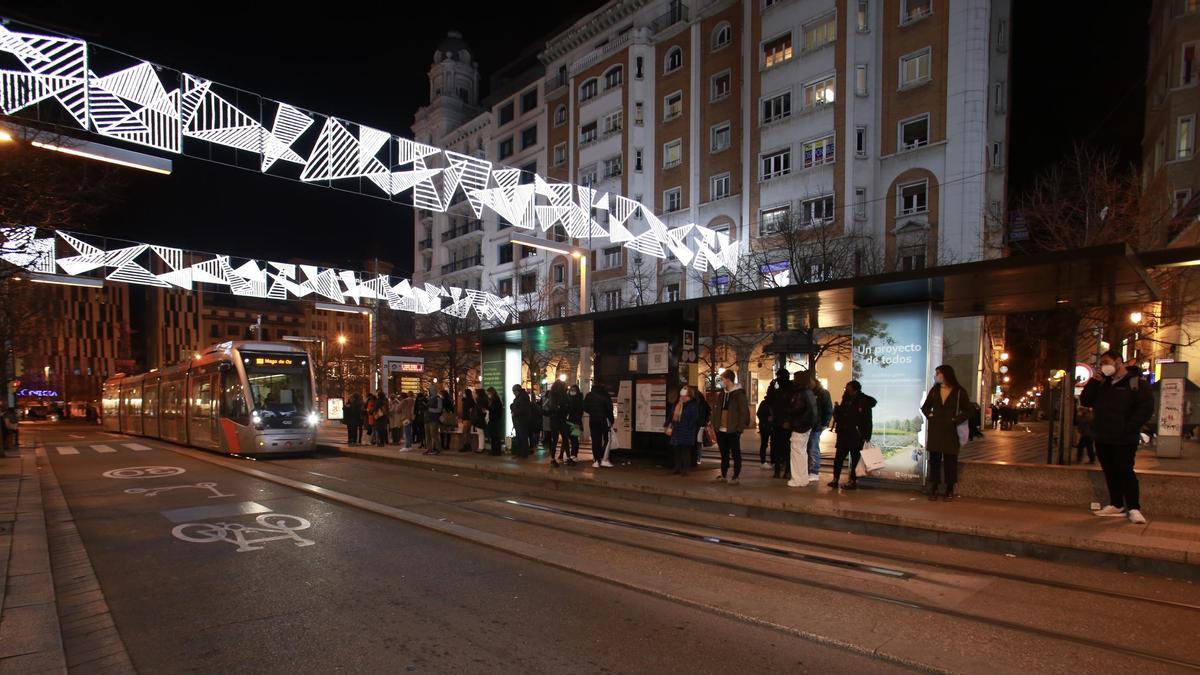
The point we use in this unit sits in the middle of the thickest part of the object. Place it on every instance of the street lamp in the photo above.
(1135, 317)
(5, 136)
(1003, 356)
(341, 340)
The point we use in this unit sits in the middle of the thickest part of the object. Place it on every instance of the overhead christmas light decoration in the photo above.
(145, 104)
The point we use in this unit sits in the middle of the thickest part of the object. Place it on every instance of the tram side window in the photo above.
(233, 403)
(201, 396)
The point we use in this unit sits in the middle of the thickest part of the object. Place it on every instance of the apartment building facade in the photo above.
(1170, 172)
(881, 121)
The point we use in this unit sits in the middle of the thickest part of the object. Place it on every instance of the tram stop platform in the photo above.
(1169, 545)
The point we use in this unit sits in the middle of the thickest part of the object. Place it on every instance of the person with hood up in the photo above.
(731, 416)
(852, 418)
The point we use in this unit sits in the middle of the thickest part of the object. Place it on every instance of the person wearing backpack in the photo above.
(802, 420)
(945, 408)
(824, 417)
(1121, 404)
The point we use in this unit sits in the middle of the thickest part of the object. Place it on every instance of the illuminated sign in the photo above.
(335, 407)
(274, 361)
(409, 367)
(38, 393)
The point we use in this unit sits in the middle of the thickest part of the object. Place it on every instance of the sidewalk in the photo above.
(1167, 545)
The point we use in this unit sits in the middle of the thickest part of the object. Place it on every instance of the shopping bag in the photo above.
(872, 457)
(860, 470)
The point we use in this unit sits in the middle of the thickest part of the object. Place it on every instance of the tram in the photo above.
(236, 397)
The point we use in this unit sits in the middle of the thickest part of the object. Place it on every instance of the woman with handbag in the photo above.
(682, 427)
(946, 410)
(852, 420)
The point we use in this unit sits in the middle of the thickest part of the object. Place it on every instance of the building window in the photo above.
(612, 258)
(560, 273)
(821, 32)
(722, 36)
(587, 175)
(214, 331)
(588, 133)
(914, 132)
(912, 258)
(998, 96)
(1187, 64)
(674, 60)
(612, 300)
(1185, 137)
(719, 189)
(560, 310)
(671, 293)
(914, 68)
(637, 113)
(672, 199)
(588, 90)
(614, 122)
(912, 198)
(613, 167)
(672, 106)
(776, 164)
(560, 115)
(860, 141)
(860, 79)
(818, 151)
(1181, 200)
(672, 153)
(773, 221)
(638, 67)
(913, 10)
(614, 77)
(528, 283)
(777, 107)
(860, 203)
(862, 20)
(506, 148)
(817, 211)
(819, 93)
(529, 137)
(506, 113)
(720, 85)
(997, 154)
(505, 253)
(560, 154)
(529, 101)
(637, 159)
(722, 137)
(777, 51)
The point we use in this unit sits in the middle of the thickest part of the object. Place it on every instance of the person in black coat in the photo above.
(852, 419)
(353, 417)
(495, 421)
(574, 417)
(556, 407)
(764, 431)
(1121, 403)
(599, 408)
(522, 420)
(779, 407)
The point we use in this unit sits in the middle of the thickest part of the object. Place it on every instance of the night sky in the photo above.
(1078, 71)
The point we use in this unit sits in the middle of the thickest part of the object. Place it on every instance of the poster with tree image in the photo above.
(895, 348)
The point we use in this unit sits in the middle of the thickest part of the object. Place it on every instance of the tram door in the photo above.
(202, 409)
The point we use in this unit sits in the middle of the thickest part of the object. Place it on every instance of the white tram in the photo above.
(236, 397)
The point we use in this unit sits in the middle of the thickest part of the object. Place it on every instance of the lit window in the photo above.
(914, 68)
(819, 151)
(771, 221)
(862, 19)
(914, 133)
(819, 93)
(860, 79)
(1185, 137)
(672, 106)
(913, 198)
(1181, 199)
(672, 153)
(722, 137)
(820, 32)
(777, 51)
(911, 10)
(776, 164)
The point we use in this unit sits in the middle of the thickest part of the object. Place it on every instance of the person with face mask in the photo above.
(682, 427)
(946, 407)
(852, 419)
(1121, 404)
(731, 416)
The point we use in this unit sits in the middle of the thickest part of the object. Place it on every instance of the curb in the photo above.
(1096, 553)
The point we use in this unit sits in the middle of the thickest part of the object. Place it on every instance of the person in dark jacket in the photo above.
(946, 407)
(853, 422)
(575, 418)
(521, 410)
(1083, 422)
(495, 421)
(353, 417)
(1121, 403)
(705, 418)
(803, 416)
(420, 407)
(537, 422)
(731, 416)
(467, 418)
(824, 417)
(556, 408)
(764, 431)
(682, 427)
(599, 409)
(381, 419)
(779, 406)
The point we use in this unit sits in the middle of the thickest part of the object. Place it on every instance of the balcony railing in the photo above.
(463, 264)
(673, 16)
(464, 229)
(593, 57)
(426, 244)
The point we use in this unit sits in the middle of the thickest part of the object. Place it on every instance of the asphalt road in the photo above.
(323, 586)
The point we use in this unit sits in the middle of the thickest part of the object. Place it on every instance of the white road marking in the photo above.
(144, 472)
(104, 448)
(137, 446)
(273, 527)
(76, 435)
(66, 450)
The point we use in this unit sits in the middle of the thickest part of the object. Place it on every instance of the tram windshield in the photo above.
(279, 384)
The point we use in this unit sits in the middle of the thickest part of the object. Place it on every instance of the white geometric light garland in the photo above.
(135, 105)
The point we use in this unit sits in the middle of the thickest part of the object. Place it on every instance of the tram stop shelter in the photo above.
(895, 327)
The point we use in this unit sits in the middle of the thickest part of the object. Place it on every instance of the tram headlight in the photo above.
(256, 420)
(313, 419)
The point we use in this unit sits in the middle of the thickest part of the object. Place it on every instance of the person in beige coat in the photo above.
(730, 417)
(404, 414)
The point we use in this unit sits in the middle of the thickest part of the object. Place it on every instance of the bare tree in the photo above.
(640, 286)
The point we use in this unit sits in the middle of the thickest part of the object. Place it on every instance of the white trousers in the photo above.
(799, 442)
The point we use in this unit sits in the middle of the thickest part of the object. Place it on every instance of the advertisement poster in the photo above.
(893, 350)
(658, 358)
(1170, 411)
(621, 437)
(643, 415)
(333, 409)
(651, 405)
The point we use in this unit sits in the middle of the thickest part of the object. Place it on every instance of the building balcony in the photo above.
(463, 264)
(466, 228)
(677, 14)
(425, 244)
(598, 54)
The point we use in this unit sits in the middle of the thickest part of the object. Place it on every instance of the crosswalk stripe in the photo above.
(66, 450)
(104, 448)
(137, 446)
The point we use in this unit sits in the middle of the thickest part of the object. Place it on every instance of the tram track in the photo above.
(883, 598)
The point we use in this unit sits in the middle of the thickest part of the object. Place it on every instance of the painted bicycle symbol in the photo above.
(151, 492)
(273, 526)
(144, 472)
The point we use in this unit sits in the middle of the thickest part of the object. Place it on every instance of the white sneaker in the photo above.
(814, 477)
(606, 464)
(766, 465)
(719, 479)
(595, 465)
(797, 483)
(1136, 517)
(1110, 511)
